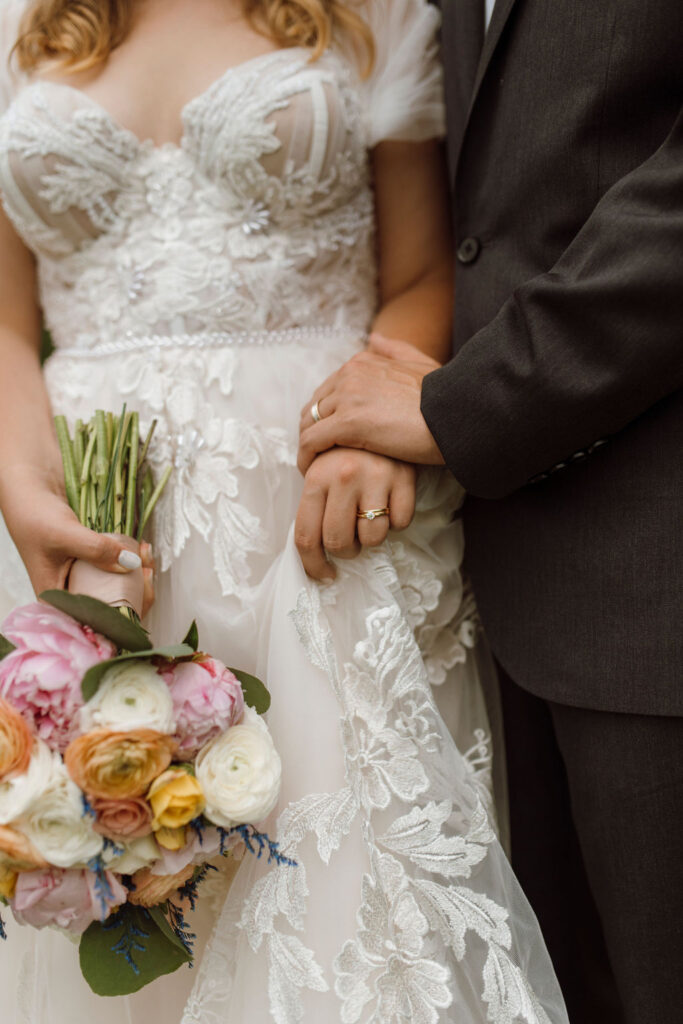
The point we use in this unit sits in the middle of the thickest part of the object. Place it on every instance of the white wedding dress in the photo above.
(214, 284)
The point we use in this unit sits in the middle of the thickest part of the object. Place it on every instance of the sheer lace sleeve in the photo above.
(10, 16)
(405, 89)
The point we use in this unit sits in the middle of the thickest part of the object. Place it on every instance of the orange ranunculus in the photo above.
(152, 889)
(118, 765)
(18, 852)
(8, 881)
(16, 741)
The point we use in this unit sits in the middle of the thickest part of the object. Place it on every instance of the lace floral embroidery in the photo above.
(418, 917)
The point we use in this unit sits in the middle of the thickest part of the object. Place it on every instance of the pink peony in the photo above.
(66, 899)
(207, 700)
(42, 677)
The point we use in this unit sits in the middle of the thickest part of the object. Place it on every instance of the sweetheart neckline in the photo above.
(201, 97)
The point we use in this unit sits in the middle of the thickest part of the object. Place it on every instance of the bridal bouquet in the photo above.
(124, 768)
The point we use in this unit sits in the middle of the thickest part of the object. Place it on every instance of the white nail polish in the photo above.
(129, 560)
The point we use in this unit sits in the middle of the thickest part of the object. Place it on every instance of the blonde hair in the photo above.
(78, 34)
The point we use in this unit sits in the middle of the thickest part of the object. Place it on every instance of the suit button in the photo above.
(468, 250)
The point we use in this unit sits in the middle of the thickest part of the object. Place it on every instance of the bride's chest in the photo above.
(277, 140)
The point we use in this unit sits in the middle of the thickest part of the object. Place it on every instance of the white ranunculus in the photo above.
(239, 772)
(138, 853)
(18, 793)
(58, 826)
(131, 695)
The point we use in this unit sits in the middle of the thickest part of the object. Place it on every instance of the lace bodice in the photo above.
(260, 219)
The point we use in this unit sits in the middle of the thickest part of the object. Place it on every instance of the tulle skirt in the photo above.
(402, 905)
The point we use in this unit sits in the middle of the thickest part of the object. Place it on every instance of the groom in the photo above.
(561, 414)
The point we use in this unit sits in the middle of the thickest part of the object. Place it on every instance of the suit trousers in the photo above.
(596, 811)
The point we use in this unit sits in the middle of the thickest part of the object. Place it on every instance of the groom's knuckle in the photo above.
(347, 471)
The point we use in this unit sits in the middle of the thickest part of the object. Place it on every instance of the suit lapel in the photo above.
(462, 38)
(501, 13)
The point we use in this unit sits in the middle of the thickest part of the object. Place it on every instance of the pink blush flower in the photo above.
(66, 899)
(207, 700)
(122, 819)
(42, 677)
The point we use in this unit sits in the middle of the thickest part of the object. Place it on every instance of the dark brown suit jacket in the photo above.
(566, 153)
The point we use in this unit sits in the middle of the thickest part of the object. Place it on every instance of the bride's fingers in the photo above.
(148, 592)
(372, 532)
(339, 521)
(146, 555)
(402, 499)
(308, 532)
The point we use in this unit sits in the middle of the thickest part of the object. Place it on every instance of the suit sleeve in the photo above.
(578, 353)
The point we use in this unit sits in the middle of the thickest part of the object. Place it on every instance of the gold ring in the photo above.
(315, 413)
(373, 513)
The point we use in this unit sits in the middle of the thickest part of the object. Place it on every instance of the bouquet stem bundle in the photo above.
(109, 484)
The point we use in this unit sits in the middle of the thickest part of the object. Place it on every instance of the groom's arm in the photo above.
(578, 353)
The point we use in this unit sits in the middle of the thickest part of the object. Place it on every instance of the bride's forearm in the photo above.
(28, 445)
(414, 246)
(421, 315)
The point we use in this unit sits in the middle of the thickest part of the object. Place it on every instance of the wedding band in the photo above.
(373, 513)
(315, 413)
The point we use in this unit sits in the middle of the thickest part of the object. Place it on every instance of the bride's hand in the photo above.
(50, 538)
(340, 483)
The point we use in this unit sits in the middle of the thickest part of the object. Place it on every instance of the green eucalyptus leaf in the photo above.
(192, 637)
(93, 677)
(255, 693)
(5, 647)
(109, 973)
(101, 617)
(159, 917)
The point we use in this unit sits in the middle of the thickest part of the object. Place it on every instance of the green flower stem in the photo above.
(106, 522)
(79, 450)
(145, 492)
(119, 486)
(132, 482)
(87, 458)
(85, 474)
(156, 494)
(111, 432)
(68, 462)
(145, 447)
(92, 506)
(101, 454)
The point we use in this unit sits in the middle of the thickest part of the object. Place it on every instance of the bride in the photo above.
(212, 203)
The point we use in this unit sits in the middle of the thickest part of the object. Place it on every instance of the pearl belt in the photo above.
(325, 336)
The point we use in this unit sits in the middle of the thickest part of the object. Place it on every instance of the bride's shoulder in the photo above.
(404, 89)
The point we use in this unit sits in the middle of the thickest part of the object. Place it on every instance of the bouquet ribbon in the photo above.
(113, 588)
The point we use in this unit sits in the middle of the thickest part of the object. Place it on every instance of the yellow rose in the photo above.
(171, 838)
(8, 881)
(176, 798)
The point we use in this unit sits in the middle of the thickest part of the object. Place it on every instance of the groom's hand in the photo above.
(373, 402)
